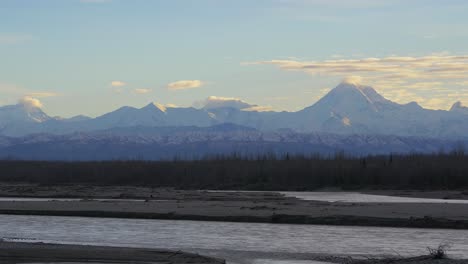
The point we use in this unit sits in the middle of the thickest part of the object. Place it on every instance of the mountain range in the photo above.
(351, 117)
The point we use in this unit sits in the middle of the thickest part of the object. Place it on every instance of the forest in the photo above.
(265, 172)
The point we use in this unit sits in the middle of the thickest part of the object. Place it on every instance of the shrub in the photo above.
(440, 252)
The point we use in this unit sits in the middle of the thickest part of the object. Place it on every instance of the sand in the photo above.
(53, 253)
(41, 253)
(264, 207)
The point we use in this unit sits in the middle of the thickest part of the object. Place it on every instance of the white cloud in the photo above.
(118, 84)
(353, 79)
(142, 91)
(429, 78)
(30, 102)
(426, 67)
(217, 102)
(42, 94)
(11, 92)
(184, 85)
(433, 103)
(231, 102)
(258, 108)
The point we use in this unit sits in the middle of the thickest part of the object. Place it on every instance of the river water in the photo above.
(239, 243)
(352, 197)
(356, 197)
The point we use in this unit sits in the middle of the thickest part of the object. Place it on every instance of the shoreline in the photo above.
(13, 252)
(429, 194)
(18, 252)
(337, 220)
(227, 206)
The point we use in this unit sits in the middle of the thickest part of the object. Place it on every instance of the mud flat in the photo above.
(50, 253)
(236, 206)
(266, 207)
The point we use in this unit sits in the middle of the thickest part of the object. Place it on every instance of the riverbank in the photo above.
(264, 207)
(414, 260)
(141, 192)
(40, 252)
(12, 252)
(429, 194)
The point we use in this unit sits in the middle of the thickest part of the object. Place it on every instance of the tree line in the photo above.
(264, 172)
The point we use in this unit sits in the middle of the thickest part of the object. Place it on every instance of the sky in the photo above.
(93, 56)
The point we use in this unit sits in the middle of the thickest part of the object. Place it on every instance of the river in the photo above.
(238, 243)
(356, 197)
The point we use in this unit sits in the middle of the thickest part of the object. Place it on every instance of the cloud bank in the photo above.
(42, 94)
(432, 80)
(426, 67)
(142, 91)
(30, 102)
(230, 102)
(184, 85)
(118, 84)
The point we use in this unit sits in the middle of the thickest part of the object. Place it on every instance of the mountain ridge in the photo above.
(155, 143)
(348, 109)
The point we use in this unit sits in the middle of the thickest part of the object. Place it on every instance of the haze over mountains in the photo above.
(350, 117)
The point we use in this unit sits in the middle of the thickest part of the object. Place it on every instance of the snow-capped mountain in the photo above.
(22, 113)
(20, 118)
(351, 108)
(153, 143)
(152, 115)
(348, 109)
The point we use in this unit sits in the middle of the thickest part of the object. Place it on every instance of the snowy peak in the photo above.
(22, 113)
(348, 98)
(368, 93)
(155, 107)
(350, 108)
(36, 115)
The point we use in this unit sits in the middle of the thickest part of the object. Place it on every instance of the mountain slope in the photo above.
(459, 108)
(355, 109)
(15, 119)
(155, 143)
(348, 109)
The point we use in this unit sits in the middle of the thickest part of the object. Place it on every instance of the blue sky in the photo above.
(93, 56)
